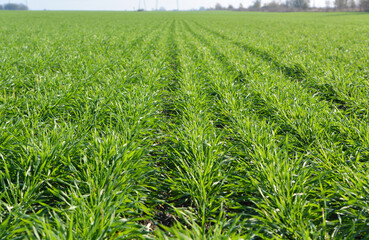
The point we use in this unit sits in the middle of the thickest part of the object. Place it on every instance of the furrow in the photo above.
(94, 167)
(295, 116)
(263, 158)
(196, 156)
(299, 74)
(255, 137)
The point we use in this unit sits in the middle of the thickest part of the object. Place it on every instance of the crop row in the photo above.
(182, 126)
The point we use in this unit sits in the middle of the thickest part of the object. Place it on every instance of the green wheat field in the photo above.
(184, 125)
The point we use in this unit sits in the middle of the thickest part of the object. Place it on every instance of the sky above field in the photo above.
(134, 4)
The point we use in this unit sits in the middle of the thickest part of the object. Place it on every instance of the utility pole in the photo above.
(156, 5)
(139, 5)
(177, 6)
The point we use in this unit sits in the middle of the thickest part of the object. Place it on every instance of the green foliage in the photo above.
(364, 5)
(14, 7)
(298, 4)
(183, 126)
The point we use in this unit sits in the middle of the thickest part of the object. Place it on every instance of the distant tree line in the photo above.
(299, 5)
(362, 5)
(13, 6)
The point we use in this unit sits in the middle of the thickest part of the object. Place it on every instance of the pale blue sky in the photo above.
(133, 4)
